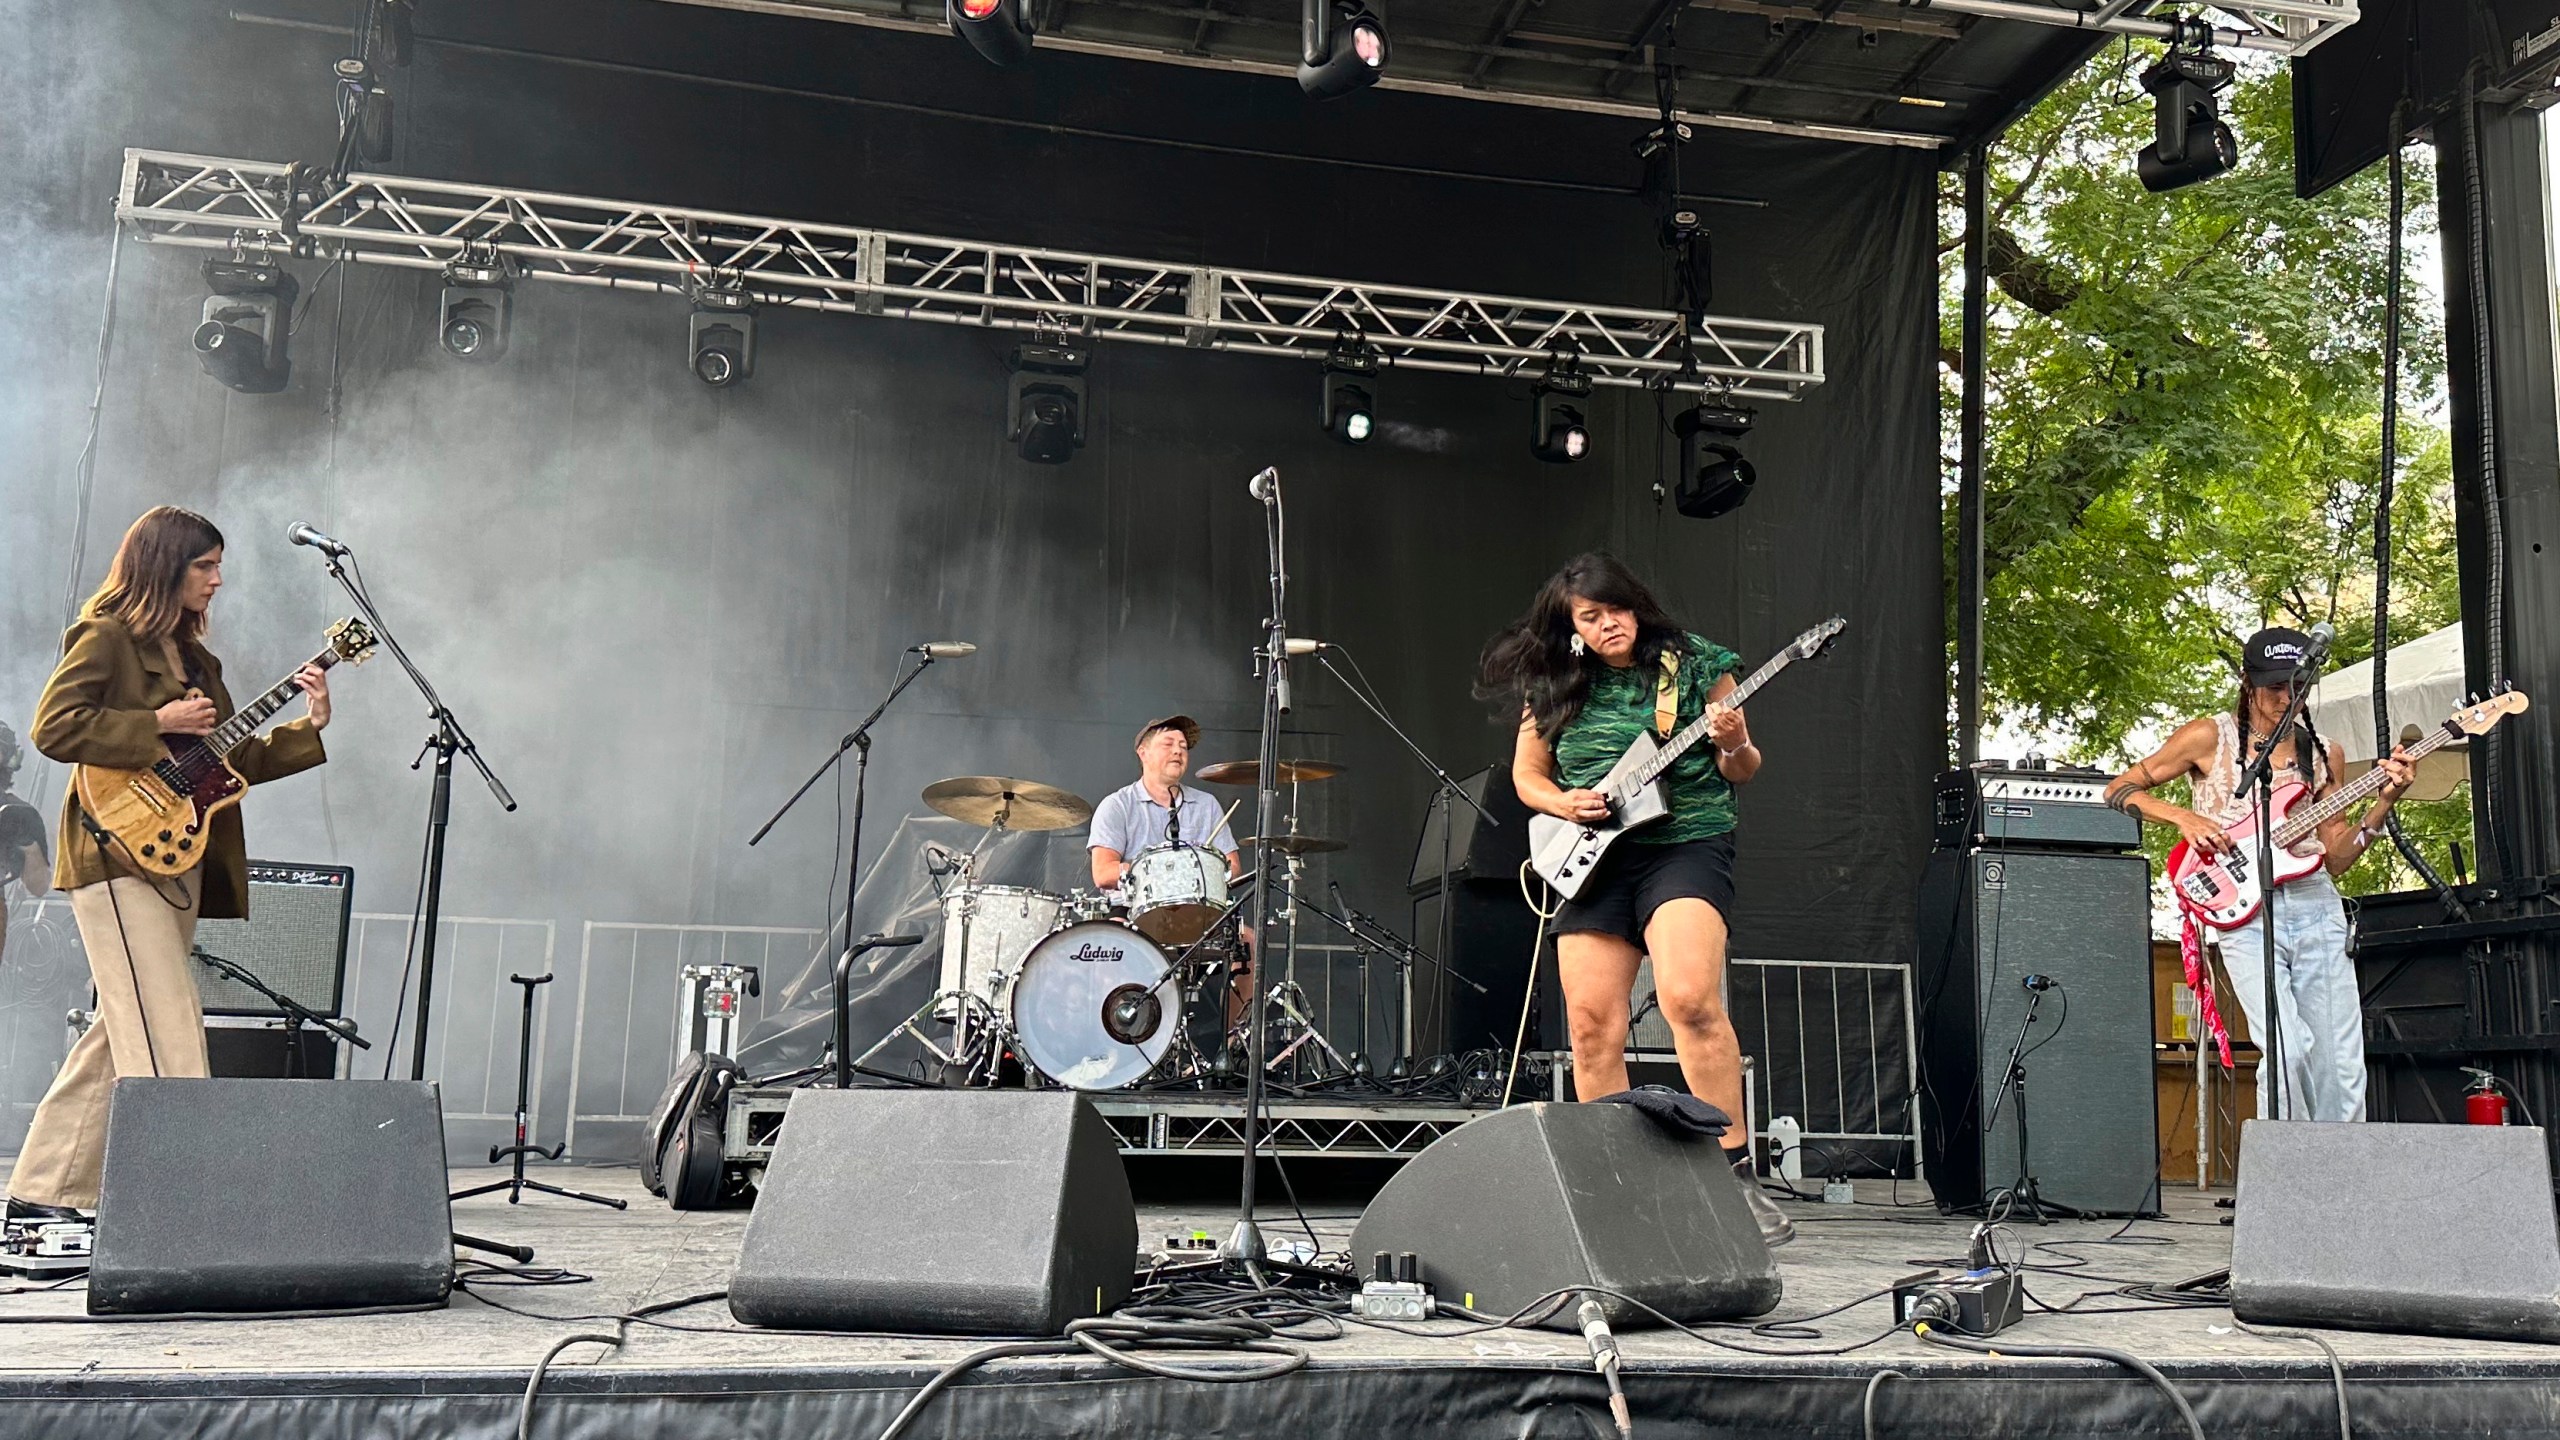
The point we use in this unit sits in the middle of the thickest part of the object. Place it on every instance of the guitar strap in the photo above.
(1666, 695)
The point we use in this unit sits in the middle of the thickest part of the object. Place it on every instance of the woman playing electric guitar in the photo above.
(1595, 662)
(2316, 998)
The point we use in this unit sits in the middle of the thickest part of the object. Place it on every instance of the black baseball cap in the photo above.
(2273, 654)
(1189, 727)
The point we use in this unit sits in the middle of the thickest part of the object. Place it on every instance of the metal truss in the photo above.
(254, 207)
(2280, 27)
(1201, 1125)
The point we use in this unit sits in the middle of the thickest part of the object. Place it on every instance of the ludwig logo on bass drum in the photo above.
(1089, 951)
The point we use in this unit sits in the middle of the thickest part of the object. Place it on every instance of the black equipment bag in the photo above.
(680, 1154)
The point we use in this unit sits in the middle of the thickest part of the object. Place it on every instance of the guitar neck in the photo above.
(246, 721)
(1696, 730)
(2303, 822)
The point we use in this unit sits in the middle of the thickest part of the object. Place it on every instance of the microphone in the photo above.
(1265, 487)
(1304, 647)
(301, 532)
(2322, 635)
(2037, 983)
(943, 649)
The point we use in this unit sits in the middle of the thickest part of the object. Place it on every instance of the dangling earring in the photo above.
(1575, 644)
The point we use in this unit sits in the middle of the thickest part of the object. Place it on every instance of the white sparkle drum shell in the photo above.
(1093, 1009)
(986, 930)
(1176, 892)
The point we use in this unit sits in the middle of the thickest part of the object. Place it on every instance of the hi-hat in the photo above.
(1247, 772)
(1302, 844)
(1000, 803)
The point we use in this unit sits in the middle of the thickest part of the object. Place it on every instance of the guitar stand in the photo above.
(515, 1184)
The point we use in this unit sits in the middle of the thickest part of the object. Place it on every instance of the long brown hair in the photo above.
(150, 572)
(1534, 658)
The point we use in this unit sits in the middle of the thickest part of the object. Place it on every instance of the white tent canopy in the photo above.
(2426, 683)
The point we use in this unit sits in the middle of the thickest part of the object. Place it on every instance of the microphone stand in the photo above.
(1448, 823)
(859, 741)
(296, 1013)
(449, 737)
(1245, 1247)
(2254, 778)
(1368, 931)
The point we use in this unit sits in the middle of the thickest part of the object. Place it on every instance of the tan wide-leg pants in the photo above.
(150, 1022)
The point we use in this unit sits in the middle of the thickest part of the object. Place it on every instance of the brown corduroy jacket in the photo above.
(100, 709)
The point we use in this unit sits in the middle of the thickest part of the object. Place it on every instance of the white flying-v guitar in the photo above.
(1565, 852)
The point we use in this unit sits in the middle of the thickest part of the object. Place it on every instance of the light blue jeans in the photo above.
(2316, 997)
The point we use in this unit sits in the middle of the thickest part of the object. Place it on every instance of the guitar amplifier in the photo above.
(295, 940)
(1998, 805)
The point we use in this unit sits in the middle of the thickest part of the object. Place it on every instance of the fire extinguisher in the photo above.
(2483, 1104)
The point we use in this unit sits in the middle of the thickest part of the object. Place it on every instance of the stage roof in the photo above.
(1858, 70)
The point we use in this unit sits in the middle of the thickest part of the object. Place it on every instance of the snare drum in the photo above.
(986, 930)
(1096, 1007)
(1176, 892)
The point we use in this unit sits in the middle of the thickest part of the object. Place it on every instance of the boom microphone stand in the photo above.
(1246, 1246)
(449, 737)
(2254, 779)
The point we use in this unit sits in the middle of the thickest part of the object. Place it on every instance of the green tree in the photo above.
(2183, 429)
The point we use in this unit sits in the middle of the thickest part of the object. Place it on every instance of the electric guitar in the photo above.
(1565, 852)
(2224, 891)
(157, 816)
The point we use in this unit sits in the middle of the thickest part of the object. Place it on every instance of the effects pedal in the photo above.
(1395, 1290)
(47, 1250)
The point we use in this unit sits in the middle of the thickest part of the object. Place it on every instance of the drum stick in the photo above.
(1230, 815)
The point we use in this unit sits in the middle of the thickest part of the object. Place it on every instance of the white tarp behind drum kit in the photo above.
(1097, 990)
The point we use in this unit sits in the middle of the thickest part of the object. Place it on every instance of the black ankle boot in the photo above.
(29, 1212)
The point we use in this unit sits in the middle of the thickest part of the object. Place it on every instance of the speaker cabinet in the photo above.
(267, 1195)
(1989, 918)
(949, 1212)
(1548, 1196)
(2440, 1229)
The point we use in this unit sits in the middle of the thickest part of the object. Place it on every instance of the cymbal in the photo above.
(996, 802)
(1245, 772)
(1302, 844)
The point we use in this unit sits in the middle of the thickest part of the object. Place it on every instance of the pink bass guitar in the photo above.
(2222, 891)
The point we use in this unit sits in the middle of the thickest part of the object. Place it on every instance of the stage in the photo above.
(462, 1372)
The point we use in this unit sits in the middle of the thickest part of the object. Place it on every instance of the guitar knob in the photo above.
(186, 844)
(146, 851)
(164, 836)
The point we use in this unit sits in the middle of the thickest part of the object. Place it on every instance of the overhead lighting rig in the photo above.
(1342, 47)
(1714, 478)
(1001, 31)
(2190, 141)
(1559, 433)
(1348, 408)
(473, 310)
(720, 336)
(1044, 408)
(243, 339)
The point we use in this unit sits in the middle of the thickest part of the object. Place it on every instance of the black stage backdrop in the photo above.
(659, 604)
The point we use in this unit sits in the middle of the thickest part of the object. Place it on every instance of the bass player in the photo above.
(1594, 662)
(2321, 1013)
(134, 668)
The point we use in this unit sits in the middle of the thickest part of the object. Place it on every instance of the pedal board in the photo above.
(52, 1250)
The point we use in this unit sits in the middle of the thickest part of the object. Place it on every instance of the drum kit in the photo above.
(1100, 991)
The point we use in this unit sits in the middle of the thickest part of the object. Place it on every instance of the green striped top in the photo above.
(1619, 706)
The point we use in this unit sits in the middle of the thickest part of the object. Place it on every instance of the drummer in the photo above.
(1155, 810)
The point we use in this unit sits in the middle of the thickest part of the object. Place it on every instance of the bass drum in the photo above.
(1095, 1007)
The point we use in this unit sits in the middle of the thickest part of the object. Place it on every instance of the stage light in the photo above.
(364, 112)
(244, 336)
(721, 339)
(1044, 409)
(1341, 48)
(1558, 433)
(999, 30)
(472, 311)
(2190, 142)
(1714, 478)
(1348, 409)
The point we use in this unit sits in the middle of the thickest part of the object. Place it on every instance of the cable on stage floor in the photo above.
(1867, 1404)
(2125, 1358)
(2337, 1367)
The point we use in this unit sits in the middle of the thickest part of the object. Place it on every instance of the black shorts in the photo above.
(1638, 878)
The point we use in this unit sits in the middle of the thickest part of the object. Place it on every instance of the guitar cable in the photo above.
(133, 972)
(1529, 996)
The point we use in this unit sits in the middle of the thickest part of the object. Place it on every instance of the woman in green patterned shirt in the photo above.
(1595, 663)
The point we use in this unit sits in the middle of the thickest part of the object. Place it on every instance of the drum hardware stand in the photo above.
(448, 738)
(1291, 1001)
(515, 1184)
(1448, 828)
(858, 740)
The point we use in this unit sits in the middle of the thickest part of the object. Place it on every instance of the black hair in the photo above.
(1533, 659)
